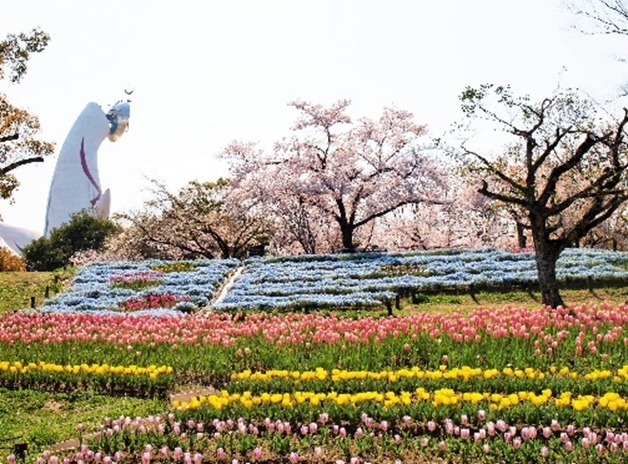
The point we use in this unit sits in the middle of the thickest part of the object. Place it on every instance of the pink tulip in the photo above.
(257, 453)
(501, 425)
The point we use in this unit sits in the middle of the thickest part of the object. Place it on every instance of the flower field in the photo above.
(321, 281)
(371, 279)
(512, 384)
(535, 385)
(146, 287)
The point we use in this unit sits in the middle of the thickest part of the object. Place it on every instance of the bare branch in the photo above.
(10, 167)
(9, 138)
(492, 168)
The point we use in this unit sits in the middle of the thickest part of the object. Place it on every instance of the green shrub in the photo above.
(82, 232)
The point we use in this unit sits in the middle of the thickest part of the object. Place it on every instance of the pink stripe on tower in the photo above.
(85, 167)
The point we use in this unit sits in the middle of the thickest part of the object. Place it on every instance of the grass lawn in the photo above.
(17, 288)
(42, 419)
(466, 302)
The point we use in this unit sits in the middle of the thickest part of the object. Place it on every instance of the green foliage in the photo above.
(19, 129)
(41, 255)
(83, 232)
(174, 266)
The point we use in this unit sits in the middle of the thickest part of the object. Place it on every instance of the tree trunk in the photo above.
(522, 240)
(547, 254)
(347, 237)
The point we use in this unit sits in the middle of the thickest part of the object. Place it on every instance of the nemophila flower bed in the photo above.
(374, 279)
(152, 287)
(320, 281)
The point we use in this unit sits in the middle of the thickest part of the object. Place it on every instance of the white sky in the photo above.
(207, 72)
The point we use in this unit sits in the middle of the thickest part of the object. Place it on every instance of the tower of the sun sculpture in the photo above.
(75, 185)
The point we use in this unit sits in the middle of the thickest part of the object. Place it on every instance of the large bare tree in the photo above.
(563, 168)
(198, 221)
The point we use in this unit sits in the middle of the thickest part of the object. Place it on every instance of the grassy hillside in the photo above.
(17, 288)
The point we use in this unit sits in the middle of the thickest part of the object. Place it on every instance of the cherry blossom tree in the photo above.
(612, 233)
(466, 219)
(563, 168)
(334, 171)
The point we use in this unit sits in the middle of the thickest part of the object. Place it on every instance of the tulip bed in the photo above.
(497, 385)
(146, 381)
